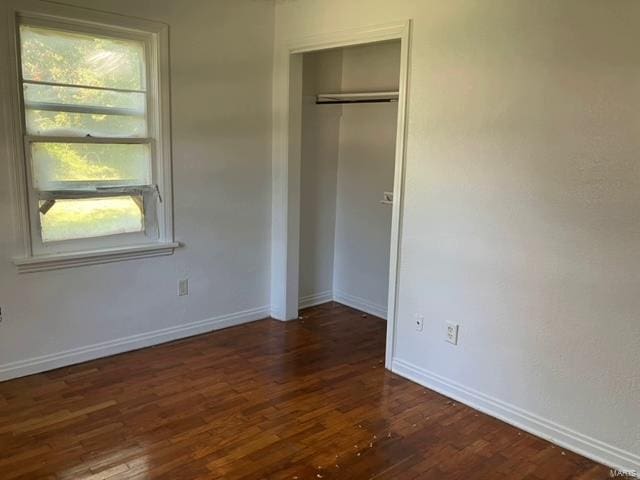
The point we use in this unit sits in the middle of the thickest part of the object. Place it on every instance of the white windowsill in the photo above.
(77, 259)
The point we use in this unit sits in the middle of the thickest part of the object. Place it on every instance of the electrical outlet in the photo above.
(183, 287)
(419, 322)
(452, 333)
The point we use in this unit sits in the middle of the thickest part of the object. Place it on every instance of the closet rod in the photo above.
(357, 97)
(376, 100)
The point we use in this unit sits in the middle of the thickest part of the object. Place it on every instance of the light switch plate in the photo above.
(387, 198)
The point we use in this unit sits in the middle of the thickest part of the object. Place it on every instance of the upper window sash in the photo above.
(126, 98)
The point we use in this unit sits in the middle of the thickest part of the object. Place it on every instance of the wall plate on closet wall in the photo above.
(387, 198)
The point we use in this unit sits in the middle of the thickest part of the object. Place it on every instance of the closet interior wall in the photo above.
(348, 155)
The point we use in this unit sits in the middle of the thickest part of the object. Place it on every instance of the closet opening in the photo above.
(349, 119)
(340, 102)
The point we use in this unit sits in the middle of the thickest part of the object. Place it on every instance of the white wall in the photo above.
(363, 224)
(322, 72)
(521, 210)
(365, 171)
(371, 68)
(221, 64)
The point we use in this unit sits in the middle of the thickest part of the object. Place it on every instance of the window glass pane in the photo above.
(41, 122)
(57, 56)
(91, 217)
(57, 166)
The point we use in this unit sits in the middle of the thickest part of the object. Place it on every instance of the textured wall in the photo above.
(322, 72)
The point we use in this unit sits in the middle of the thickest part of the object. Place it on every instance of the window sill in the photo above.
(94, 257)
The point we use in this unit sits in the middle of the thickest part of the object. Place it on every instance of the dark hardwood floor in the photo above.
(308, 399)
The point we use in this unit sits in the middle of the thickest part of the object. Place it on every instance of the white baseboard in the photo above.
(315, 299)
(134, 342)
(584, 445)
(360, 304)
(344, 298)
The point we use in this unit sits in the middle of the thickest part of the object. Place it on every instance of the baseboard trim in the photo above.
(360, 304)
(30, 366)
(579, 443)
(315, 299)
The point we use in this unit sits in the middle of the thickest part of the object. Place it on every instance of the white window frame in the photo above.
(158, 240)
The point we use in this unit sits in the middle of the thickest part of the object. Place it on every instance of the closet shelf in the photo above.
(356, 97)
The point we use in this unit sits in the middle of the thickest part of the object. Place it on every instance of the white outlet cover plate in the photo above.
(452, 333)
(183, 287)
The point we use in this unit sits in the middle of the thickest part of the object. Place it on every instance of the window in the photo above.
(94, 136)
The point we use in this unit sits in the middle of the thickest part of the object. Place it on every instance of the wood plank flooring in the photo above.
(308, 399)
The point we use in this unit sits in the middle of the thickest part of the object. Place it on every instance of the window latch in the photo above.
(46, 206)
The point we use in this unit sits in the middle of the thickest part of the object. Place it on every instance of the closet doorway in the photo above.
(339, 134)
(349, 118)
